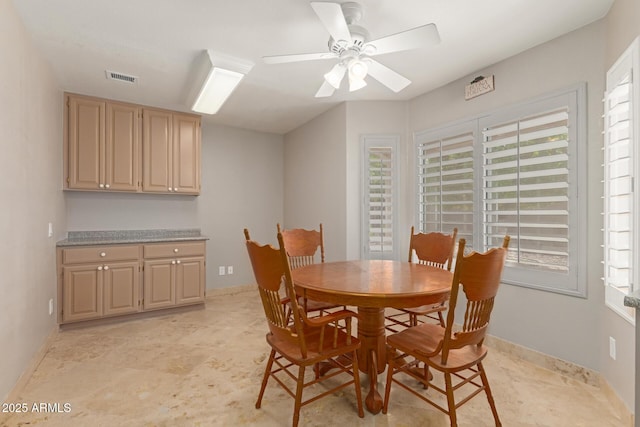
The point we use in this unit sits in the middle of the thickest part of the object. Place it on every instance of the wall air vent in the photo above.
(121, 77)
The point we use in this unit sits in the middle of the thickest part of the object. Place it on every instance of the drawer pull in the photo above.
(106, 267)
(99, 268)
(175, 250)
(173, 262)
(178, 262)
(103, 254)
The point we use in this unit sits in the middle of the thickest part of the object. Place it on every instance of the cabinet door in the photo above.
(190, 280)
(121, 288)
(122, 149)
(85, 142)
(82, 292)
(186, 154)
(159, 284)
(157, 151)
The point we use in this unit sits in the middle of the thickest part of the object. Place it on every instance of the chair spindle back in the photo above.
(479, 276)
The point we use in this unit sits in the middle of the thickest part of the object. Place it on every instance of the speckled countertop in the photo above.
(87, 238)
(632, 300)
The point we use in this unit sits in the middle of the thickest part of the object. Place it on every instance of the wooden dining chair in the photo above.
(458, 355)
(302, 248)
(434, 249)
(305, 341)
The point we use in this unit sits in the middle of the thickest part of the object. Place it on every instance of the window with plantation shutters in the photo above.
(514, 171)
(621, 207)
(379, 211)
(446, 182)
(526, 188)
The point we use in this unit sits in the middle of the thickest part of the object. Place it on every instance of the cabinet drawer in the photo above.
(100, 254)
(170, 250)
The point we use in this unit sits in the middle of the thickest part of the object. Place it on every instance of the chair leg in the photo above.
(265, 378)
(356, 380)
(298, 402)
(450, 400)
(387, 387)
(487, 389)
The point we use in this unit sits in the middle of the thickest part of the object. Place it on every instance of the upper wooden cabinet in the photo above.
(115, 146)
(171, 152)
(102, 145)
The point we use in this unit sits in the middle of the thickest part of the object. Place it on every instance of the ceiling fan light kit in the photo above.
(350, 44)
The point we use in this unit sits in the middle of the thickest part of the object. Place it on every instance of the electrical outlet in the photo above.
(230, 269)
(221, 270)
(50, 306)
(612, 348)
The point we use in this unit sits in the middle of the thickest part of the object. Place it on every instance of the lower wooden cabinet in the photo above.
(104, 281)
(174, 274)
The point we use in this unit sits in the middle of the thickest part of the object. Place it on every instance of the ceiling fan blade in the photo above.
(332, 18)
(325, 90)
(281, 59)
(387, 76)
(406, 40)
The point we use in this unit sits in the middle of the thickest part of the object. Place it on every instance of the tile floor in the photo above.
(203, 368)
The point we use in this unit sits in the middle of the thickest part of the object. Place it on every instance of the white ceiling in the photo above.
(160, 41)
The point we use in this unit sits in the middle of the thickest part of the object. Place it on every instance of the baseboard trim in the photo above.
(568, 369)
(232, 290)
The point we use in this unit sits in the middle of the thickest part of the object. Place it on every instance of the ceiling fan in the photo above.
(350, 44)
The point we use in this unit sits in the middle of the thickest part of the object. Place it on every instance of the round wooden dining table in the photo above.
(372, 285)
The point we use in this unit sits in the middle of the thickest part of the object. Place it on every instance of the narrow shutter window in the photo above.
(621, 215)
(380, 198)
(526, 189)
(618, 191)
(446, 184)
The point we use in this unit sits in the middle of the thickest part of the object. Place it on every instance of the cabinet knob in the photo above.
(103, 254)
(107, 186)
(173, 262)
(101, 186)
(178, 262)
(175, 188)
(170, 189)
(175, 250)
(99, 268)
(106, 267)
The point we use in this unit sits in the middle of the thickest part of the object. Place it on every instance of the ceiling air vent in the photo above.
(114, 75)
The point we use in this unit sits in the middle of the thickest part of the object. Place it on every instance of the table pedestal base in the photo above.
(372, 357)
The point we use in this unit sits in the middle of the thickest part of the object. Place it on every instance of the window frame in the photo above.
(573, 282)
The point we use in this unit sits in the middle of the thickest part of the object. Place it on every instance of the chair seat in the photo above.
(291, 349)
(422, 341)
(425, 309)
(313, 305)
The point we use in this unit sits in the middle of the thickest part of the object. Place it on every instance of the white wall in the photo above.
(242, 176)
(314, 177)
(30, 181)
